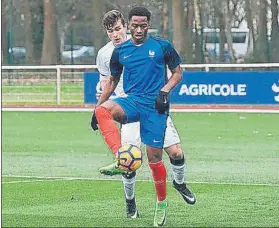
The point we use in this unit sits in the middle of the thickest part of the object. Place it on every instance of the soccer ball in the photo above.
(129, 157)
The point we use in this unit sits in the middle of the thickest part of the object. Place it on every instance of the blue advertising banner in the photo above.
(213, 88)
(227, 88)
(90, 87)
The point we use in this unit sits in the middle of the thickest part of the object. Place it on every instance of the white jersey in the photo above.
(102, 61)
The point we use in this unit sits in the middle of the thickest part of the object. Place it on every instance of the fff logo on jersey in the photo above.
(151, 53)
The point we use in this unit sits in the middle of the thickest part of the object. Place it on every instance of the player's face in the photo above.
(139, 26)
(117, 33)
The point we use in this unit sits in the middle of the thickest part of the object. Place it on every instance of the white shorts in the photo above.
(130, 134)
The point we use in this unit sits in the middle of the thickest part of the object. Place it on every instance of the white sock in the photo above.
(178, 172)
(129, 187)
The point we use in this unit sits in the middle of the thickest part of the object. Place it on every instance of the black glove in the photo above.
(94, 122)
(162, 102)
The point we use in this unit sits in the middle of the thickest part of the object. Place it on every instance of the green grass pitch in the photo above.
(50, 173)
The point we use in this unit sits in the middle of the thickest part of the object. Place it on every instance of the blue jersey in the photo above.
(144, 67)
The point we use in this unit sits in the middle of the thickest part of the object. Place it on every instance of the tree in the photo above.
(177, 13)
(164, 18)
(262, 41)
(219, 11)
(187, 34)
(230, 12)
(28, 35)
(37, 29)
(98, 12)
(252, 35)
(4, 27)
(51, 48)
(274, 43)
(199, 56)
(65, 14)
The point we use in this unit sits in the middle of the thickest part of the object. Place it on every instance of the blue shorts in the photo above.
(152, 124)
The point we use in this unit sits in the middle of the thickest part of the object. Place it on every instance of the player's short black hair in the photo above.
(111, 17)
(139, 11)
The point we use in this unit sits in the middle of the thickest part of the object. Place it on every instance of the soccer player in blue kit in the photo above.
(147, 87)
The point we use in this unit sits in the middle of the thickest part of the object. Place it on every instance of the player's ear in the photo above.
(129, 26)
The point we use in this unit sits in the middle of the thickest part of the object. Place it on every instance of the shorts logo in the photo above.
(275, 89)
(127, 56)
(156, 141)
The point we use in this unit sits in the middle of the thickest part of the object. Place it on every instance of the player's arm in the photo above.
(103, 68)
(103, 83)
(103, 97)
(109, 87)
(173, 60)
(101, 86)
(110, 84)
(175, 78)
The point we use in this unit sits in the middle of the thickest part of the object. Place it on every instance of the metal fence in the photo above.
(63, 84)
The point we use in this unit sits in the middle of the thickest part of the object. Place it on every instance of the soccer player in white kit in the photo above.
(115, 26)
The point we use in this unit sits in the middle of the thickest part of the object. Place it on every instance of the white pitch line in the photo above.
(32, 181)
(110, 179)
(186, 110)
(223, 110)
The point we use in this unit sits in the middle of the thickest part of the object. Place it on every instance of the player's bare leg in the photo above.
(107, 114)
(178, 169)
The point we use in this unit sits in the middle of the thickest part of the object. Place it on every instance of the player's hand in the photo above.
(99, 91)
(94, 122)
(98, 95)
(162, 102)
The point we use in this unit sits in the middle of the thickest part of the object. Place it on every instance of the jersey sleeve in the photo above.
(171, 56)
(103, 67)
(116, 67)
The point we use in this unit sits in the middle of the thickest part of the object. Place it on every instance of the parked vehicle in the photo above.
(18, 55)
(240, 38)
(79, 55)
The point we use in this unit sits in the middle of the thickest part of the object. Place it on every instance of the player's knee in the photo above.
(100, 112)
(176, 155)
(154, 155)
(154, 158)
(178, 160)
(175, 152)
